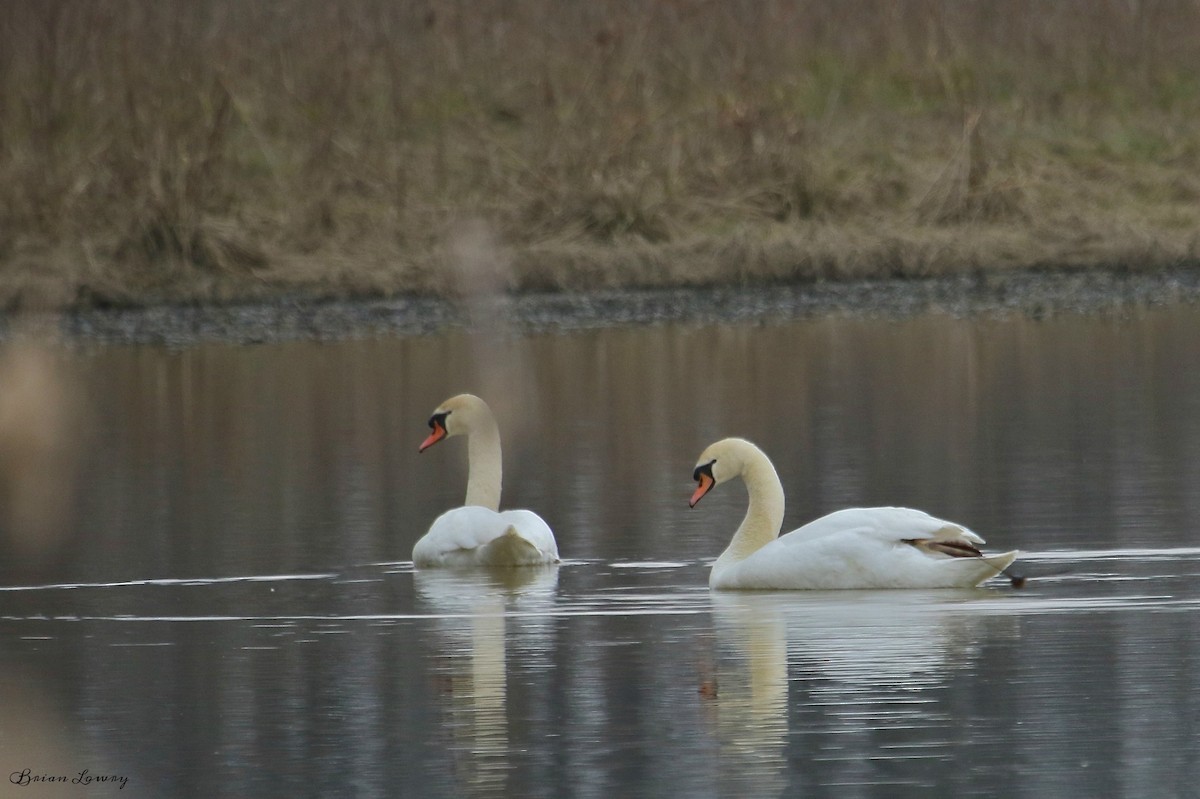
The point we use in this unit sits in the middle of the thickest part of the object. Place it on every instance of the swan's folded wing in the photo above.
(889, 525)
(532, 528)
(456, 530)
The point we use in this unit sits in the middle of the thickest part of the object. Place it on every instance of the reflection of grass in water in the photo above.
(219, 149)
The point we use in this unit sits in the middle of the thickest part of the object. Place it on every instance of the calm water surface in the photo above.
(233, 612)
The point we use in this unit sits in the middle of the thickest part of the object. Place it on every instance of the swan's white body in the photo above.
(479, 534)
(854, 548)
(861, 548)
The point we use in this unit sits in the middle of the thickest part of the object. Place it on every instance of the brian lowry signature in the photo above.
(85, 777)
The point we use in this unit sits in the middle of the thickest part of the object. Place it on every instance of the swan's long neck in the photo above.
(484, 468)
(764, 516)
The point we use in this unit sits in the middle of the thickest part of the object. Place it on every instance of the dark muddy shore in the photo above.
(1032, 293)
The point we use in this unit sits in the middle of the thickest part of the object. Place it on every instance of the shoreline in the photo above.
(1037, 294)
(259, 158)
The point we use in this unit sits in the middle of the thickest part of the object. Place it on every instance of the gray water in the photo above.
(232, 611)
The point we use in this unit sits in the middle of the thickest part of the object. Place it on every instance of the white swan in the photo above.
(478, 534)
(853, 548)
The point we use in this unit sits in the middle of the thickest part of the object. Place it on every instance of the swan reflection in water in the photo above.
(471, 611)
(749, 690)
(866, 671)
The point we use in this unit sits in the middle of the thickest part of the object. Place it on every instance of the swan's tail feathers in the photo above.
(510, 548)
(972, 566)
(958, 542)
(1000, 565)
(1002, 561)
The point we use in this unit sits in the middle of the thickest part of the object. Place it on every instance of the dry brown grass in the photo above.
(190, 150)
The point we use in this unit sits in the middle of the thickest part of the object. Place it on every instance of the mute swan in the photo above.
(478, 534)
(853, 548)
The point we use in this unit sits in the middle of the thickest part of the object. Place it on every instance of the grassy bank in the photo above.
(188, 150)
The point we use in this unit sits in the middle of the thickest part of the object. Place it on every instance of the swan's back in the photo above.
(887, 523)
(476, 536)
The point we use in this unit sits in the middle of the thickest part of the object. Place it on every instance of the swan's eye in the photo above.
(438, 420)
(704, 469)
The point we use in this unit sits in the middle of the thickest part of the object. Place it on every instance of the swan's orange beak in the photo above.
(439, 432)
(706, 482)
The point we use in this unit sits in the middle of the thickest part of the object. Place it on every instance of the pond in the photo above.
(232, 609)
